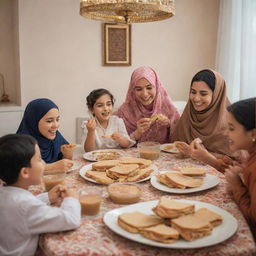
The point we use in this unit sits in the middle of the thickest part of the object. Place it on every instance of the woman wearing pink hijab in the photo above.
(148, 111)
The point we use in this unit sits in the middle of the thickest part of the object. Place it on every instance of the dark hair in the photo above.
(16, 151)
(95, 94)
(244, 112)
(206, 76)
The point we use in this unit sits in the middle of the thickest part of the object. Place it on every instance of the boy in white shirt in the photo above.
(24, 216)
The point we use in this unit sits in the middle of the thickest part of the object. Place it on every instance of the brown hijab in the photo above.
(209, 125)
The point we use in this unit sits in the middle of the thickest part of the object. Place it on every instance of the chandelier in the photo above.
(127, 11)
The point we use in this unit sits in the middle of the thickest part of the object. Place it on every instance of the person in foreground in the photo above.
(104, 130)
(241, 178)
(24, 216)
(201, 130)
(41, 120)
(148, 112)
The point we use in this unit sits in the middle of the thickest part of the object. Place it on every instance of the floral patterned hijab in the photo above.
(132, 110)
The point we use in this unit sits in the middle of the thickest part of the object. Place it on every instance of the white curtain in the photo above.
(236, 47)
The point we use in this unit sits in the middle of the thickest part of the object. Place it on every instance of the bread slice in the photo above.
(133, 222)
(106, 155)
(192, 171)
(161, 233)
(191, 227)
(143, 163)
(168, 208)
(100, 177)
(141, 174)
(208, 215)
(104, 165)
(122, 171)
(182, 181)
(161, 177)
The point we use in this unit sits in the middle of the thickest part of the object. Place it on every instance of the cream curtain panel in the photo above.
(236, 47)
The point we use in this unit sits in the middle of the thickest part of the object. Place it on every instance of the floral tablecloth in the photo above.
(94, 238)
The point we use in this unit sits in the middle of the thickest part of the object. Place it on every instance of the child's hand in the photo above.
(59, 166)
(116, 137)
(70, 193)
(232, 175)
(91, 124)
(55, 194)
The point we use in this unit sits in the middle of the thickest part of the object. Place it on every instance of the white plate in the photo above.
(75, 166)
(209, 182)
(90, 156)
(174, 150)
(89, 166)
(218, 235)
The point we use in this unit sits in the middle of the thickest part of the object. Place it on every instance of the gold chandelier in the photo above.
(127, 11)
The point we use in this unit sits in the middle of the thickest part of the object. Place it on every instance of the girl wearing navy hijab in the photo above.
(41, 120)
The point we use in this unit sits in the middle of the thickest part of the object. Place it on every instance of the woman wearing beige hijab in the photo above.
(203, 125)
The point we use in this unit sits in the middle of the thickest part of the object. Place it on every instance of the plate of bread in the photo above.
(178, 224)
(102, 154)
(124, 169)
(186, 180)
(169, 148)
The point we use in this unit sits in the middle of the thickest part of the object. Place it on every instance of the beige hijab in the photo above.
(208, 125)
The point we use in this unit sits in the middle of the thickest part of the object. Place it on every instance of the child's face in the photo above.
(239, 137)
(37, 168)
(103, 108)
(49, 124)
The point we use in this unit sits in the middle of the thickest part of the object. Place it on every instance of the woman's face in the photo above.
(145, 92)
(49, 124)
(239, 137)
(200, 95)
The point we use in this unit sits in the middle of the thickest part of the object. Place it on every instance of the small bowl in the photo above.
(124, 193)
(149, 150)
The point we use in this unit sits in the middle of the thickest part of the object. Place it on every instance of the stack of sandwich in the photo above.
(185, 178)
(173, 219)
(125, 169)
(106, 155)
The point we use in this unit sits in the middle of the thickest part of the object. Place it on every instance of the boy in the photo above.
(24, 216)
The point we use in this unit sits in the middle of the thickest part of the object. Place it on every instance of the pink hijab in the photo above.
(132, 110)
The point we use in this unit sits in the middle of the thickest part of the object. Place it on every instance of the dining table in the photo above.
(95, 238)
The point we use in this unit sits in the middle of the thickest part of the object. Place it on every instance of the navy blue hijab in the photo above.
(35, 110)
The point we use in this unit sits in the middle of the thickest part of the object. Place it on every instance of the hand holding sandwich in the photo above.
(143, 125)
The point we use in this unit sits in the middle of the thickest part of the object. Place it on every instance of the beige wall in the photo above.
(9, 49)
(60, 53)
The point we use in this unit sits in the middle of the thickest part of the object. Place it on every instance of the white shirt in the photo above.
(115, 124)
(24, 216)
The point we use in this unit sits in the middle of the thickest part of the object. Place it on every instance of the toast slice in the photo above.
(161, 233)
(167, 208)
(104, 165)
(100, 177)
(134, 222)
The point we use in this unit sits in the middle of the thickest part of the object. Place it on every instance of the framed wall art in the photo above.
(116, 44)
